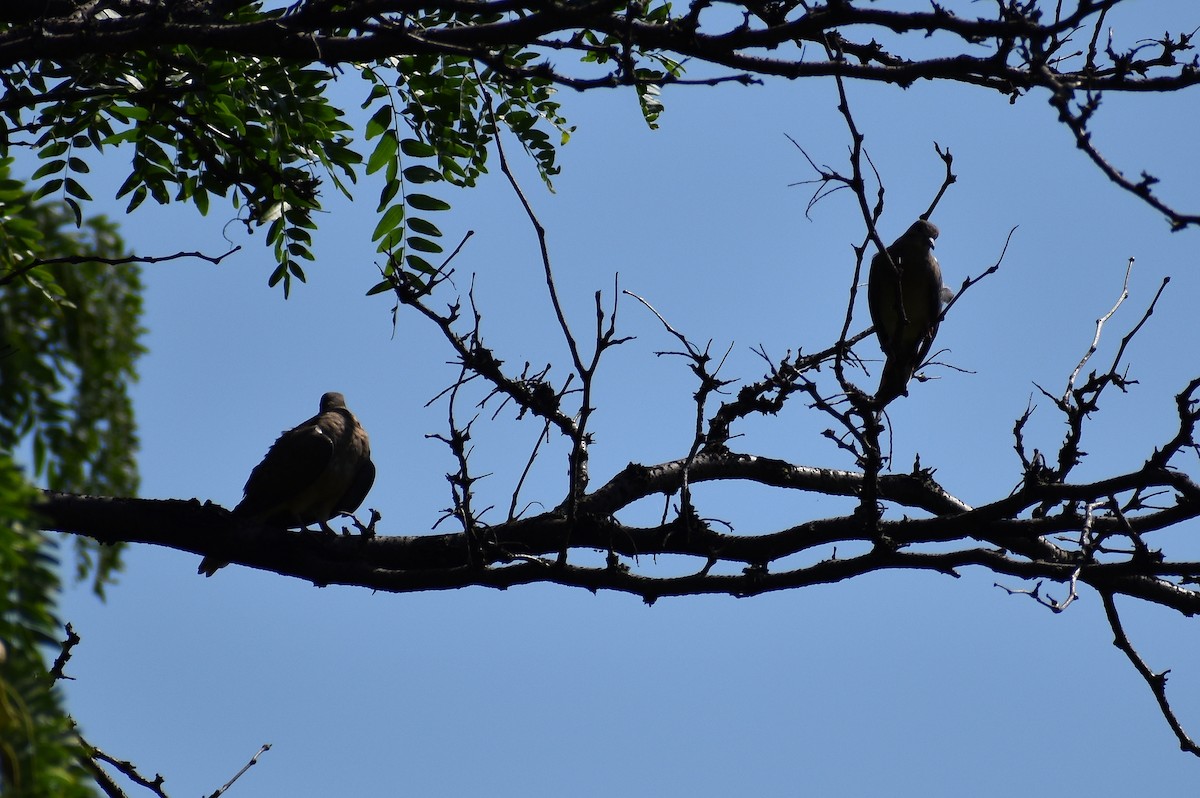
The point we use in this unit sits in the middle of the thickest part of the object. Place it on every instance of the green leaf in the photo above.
(417, 263)
(378, 90)
(76, 190)
(380, 287)
(417, 149)
(422, 174)
(384, 152)
(54, 149)
(388, 193)
(390, 221)
(49, 168)
(138, 112)
(200, 200)
(424, 202)
(139, 196)
(49, 187)
(423, 226)
(391, 240)
(424, 244)
(75, 209)
(379, 122)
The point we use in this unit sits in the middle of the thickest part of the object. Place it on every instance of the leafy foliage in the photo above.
(200, 125)
(433, 118)
(72, 335)
(69, 340)
(238, 100)
(39, 753)
(265, 134)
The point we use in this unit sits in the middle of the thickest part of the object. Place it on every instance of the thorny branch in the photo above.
(125, 767)
(605, 338)
(709, 383)
(94, 756)
(1078, 401)
(64, 655)
(461, 481)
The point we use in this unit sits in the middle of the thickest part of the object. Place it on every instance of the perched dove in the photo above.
(905, 338)
(312, 473)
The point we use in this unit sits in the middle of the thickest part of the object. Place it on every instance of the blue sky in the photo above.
(899, 683)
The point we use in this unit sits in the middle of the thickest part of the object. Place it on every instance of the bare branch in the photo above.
(253, 761)
(1157, 682)
(1051, 603)
(64, 655)
(79, 260)
(1099, 328)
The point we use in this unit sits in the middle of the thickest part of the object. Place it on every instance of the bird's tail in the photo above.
(210, 565)
(894, 380)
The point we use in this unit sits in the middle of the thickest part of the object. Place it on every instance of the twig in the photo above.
(969, 282)
(949, 180)
(1157, 682)
(1051, 603)
(64, 655)
(543, 246)
(544, 435)
(1100, 322)
(103, 780)
(1145, 317)
(127, 768)
(253, 761)
(1061, 97)
(79, 260)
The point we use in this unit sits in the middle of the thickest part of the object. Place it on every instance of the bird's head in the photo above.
(922, 232)
(332, 401)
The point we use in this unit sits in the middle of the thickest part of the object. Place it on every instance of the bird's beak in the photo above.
(932, 243)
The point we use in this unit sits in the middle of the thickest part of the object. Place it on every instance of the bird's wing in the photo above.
(355, 457)
(364, 478)
(882, 282)
(292, 465)
(931, 303)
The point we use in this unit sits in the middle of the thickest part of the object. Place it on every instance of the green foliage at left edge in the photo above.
(40, 753)
(71, 335)
(69, 339)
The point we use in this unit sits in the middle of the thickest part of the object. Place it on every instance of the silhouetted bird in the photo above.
(905, 306)
(312, 473)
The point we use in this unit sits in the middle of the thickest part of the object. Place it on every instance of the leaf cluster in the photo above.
(69, 340)
(40, 754)
(433, 119)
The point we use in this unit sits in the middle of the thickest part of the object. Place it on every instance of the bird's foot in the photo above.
(366, 532)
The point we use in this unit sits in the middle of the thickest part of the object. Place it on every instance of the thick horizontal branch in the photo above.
(439, 562)
(514, 551)
(316, 34)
